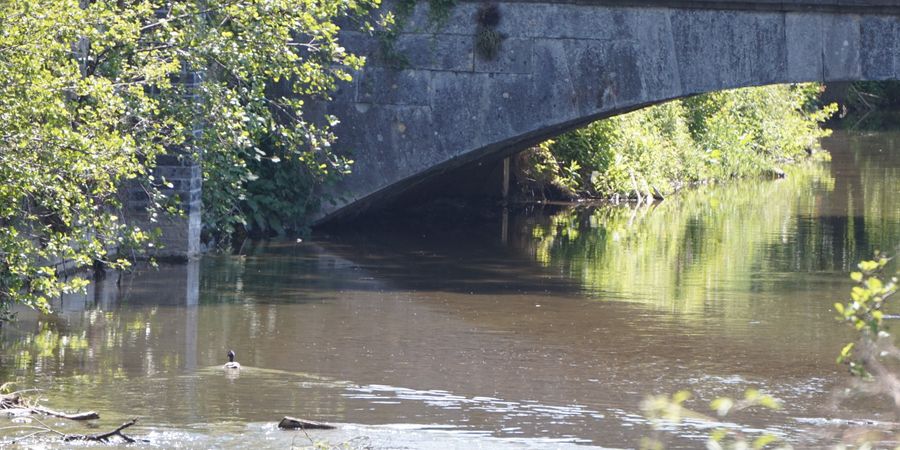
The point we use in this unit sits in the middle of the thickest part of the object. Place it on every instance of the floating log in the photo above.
(293, 423)
(88, 415)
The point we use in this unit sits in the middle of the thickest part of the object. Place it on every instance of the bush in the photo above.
(710, 137)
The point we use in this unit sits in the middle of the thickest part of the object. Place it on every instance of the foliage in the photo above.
(864, 312)
(710, 137)
(487, 43)
(487, 39)
(671, 409)
(90, 96)
(392, 24)
(869, 95)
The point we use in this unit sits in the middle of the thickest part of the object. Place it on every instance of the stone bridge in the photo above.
(442, 102)
(561, 64)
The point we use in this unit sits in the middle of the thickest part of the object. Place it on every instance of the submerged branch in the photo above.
(103, 437)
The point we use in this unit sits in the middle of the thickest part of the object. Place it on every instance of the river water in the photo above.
(537, 327)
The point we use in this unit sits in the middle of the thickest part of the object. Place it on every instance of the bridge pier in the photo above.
(179, 237)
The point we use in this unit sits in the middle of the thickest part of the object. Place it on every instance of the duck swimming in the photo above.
(232, 364)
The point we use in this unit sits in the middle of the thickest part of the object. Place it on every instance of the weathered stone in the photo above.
(657, 62)
(703, 41)
(553, 87)
(841, 48)
(726, 49)
(394, 87)
(564, 21)
(515, 56)
(803, 34)
(460, 19)
(877, 47)
(436, 51)
(345, 91)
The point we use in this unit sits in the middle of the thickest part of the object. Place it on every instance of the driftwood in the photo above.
(10, 401)
(14, 402)
(293, 423)
(88, 415)
(103, 437)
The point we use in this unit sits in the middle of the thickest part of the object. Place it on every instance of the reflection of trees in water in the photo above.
(860, 214)
(715, 243)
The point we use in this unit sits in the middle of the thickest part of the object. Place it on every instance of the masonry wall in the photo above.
(563, 64)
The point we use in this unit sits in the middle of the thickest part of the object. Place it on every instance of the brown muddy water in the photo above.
(539, 327)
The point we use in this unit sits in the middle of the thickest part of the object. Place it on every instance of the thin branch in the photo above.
(103, 437)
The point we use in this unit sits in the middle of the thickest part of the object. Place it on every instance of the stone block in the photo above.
(564, 21)
(703, 42)
(553, 82)
(394, 87)
(803, 34)
(460, 20)
(364, 135)
(656, 55)
(471, 111)
(345, 91)
(361, 44)
(760, 50)
(436, 51)
(841, 51)
(726, 49)
(604, 75)
(878, 38)
(515, 56)
(414, 147)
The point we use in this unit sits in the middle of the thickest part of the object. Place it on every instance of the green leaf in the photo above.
(763, 441)
(721, 405)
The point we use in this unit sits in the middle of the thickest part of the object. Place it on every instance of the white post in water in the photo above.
(505, 188)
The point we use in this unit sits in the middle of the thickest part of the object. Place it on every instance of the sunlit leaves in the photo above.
(672, 409)
(864, 310)
(265, 155)
(710, 137)
(92, 92)
(722, 405)
(663, 407)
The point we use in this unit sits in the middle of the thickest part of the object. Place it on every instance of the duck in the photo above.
(232, 364)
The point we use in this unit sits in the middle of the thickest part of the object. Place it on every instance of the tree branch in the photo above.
(103, 437)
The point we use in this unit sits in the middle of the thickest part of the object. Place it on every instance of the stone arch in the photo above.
(565, 64)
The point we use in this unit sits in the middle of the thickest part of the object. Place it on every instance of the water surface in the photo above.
(536, 327)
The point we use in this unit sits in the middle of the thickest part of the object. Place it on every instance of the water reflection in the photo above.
(545, 326)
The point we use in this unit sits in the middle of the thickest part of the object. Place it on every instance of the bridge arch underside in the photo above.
(563, 65)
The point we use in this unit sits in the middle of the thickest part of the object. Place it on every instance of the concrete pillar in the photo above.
(180, 235)
(505, 188)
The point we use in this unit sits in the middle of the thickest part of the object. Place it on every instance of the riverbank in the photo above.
(655, 151)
